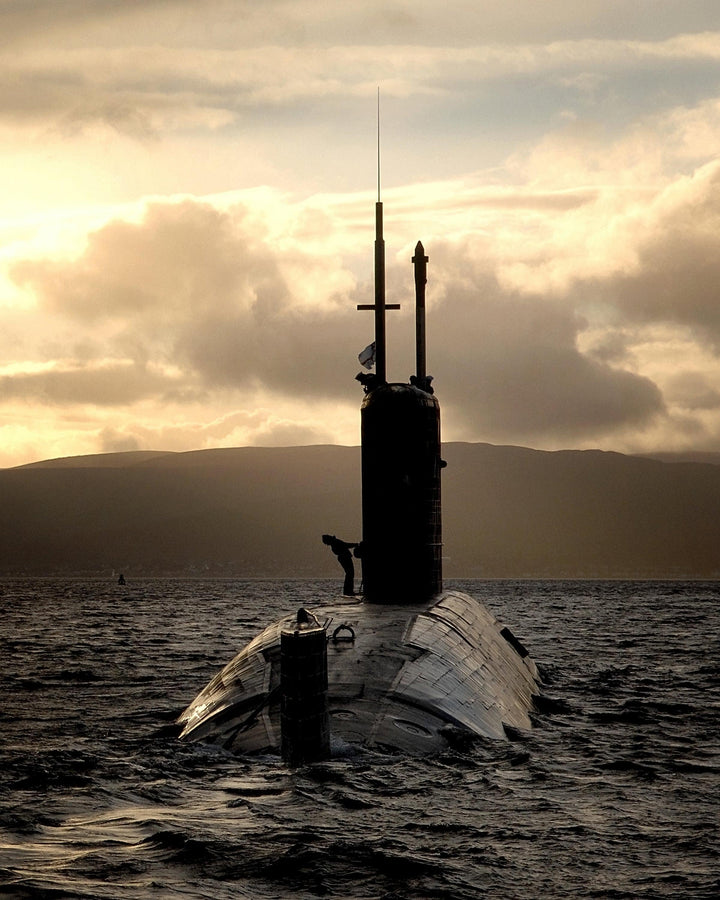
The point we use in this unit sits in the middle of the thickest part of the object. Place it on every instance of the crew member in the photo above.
(341, 549)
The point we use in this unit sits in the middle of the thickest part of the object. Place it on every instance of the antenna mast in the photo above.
(379, 306)
(380, 339)
(378, 142)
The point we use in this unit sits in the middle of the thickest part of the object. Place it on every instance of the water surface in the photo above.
(614, 793)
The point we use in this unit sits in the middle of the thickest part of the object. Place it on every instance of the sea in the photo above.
(614, 792)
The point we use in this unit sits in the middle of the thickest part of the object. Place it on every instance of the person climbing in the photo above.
(341, 549)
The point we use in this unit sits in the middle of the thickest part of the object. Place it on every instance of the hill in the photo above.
(259, 512)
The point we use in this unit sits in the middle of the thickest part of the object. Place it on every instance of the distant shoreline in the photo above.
(509, 513)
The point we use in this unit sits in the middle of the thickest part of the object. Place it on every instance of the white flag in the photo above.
(367, 357)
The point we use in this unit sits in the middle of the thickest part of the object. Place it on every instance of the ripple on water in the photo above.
(611, 795)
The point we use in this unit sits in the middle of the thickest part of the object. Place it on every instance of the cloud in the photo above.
(513, 371)
(677, 268)
(129, 71)
(113, 441)
(109, 101)
(551, 294)
(691, 391)
(558, 161)
(193, 288)
(260, 427)
(192, 299)
(181, 257)
(99, 385)
(30, 20)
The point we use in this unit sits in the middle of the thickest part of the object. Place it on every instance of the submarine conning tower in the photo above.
(388, 676)
(401, 549)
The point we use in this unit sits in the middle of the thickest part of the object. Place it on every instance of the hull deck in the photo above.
(399, 678)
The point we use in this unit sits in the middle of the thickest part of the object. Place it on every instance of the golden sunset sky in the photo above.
(187, 221)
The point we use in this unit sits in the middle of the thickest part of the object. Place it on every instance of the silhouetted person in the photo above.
(121, 579)
(341, 549)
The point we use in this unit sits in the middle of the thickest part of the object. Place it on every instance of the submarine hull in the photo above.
(397, 682)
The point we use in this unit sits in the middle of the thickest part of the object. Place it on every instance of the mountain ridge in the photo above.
(508, 512)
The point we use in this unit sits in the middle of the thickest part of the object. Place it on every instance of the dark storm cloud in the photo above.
(513, 369)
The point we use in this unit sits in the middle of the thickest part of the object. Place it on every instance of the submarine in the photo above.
(405, 666)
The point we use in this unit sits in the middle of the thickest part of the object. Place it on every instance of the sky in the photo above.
(187, 220)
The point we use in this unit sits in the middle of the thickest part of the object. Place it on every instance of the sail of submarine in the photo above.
(407, 666)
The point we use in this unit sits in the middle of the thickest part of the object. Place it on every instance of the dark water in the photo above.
(615, 793)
